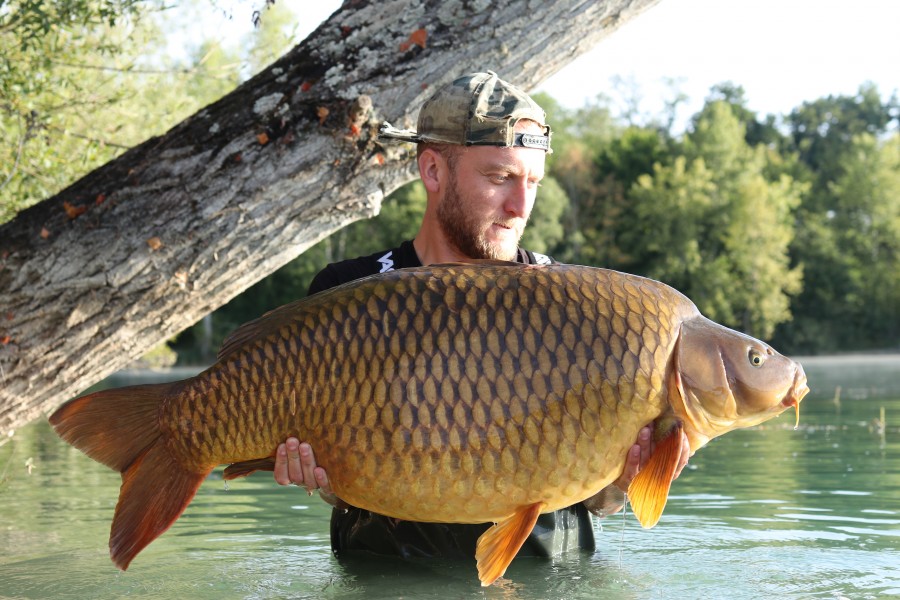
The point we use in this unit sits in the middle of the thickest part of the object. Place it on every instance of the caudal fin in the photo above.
(120, 428)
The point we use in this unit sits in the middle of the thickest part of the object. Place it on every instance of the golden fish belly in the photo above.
(451, 394)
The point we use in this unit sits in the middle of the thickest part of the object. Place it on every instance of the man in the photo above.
(481, 145)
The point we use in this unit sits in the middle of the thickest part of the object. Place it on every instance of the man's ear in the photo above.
(433, 170)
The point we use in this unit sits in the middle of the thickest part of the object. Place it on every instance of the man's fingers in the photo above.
(639, 455)
(322, 480)
(632, 466)
(308, 466)
(281, 466)
(685, 455)
(295, 463)
(645, 441)
(295, 469)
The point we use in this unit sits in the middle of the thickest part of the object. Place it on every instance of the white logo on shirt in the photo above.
(542, 259)
(386, 263)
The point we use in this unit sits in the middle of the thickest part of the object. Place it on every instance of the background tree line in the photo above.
(786, 227)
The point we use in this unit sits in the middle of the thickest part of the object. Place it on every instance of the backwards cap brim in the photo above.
(389, 132)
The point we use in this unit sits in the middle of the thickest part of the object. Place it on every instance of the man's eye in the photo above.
(497, 178)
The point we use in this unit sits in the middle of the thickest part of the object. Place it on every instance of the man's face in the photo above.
(490, 196)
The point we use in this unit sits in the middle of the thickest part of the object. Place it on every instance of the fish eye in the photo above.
(756, 358)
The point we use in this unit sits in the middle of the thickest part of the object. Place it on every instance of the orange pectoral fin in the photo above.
(242, 469)
(498, 545)
(649, 490)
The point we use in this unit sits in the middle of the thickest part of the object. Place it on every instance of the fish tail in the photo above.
(121, 429)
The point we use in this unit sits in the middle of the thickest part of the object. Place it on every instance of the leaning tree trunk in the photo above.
(146, 245)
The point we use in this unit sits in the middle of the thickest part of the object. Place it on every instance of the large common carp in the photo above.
(462, 393)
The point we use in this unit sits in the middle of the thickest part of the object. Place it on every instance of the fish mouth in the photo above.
(798, 390)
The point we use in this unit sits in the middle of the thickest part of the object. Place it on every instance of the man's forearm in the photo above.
(607, 501)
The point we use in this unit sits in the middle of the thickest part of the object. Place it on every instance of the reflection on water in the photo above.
(811, 513)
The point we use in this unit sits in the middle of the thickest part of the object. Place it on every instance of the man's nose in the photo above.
(517, 199)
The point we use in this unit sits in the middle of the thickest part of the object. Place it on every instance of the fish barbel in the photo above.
(482, 392)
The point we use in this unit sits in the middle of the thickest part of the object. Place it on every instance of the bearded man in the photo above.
(481, 145)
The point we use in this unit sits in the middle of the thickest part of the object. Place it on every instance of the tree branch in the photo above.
(195, 70)
(89, 138)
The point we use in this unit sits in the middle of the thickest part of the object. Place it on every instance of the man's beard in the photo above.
(465, 232)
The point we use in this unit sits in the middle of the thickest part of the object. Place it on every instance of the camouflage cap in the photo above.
(478, 109)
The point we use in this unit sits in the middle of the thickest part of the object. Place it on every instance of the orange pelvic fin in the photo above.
(498, 545)
(242, 469)
(120, 428)
(649, 490)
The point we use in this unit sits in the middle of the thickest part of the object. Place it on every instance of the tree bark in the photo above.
(146, 245)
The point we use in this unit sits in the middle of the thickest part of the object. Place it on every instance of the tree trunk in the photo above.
(146, 245)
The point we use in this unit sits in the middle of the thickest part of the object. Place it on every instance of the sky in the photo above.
(782, 52)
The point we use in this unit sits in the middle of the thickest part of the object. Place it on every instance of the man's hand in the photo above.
(640, 453)
(295, 464)
(611, 499)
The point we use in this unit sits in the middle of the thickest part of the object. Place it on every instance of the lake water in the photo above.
(768, 512)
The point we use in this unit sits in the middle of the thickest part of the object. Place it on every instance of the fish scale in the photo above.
(475, 361)
(452, 393)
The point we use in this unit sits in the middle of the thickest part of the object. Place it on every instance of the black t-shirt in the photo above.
(358, 530)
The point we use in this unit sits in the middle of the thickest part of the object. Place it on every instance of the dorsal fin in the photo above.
(262, 327)
(483, 262)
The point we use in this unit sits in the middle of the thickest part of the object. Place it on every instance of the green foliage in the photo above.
(846, 225)
(97, 81)
(714, 227)
(822, 130)
(32, 20)
(670, 208)
(545, 230)
(158, 357)
(576, 137)
(852, 255)
(49, 86)
(709, 214)
(757, 132)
